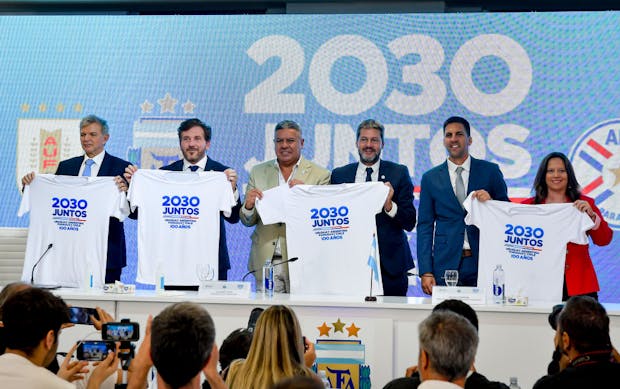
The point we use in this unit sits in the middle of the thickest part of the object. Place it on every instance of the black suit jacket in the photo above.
(394, 249)
(111, 166)
(224, 259)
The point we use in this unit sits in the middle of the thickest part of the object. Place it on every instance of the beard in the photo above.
(370, 160)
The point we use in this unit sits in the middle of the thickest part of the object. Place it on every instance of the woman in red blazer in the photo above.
(555, 182)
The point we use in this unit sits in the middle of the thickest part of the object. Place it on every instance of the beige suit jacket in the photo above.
(266, 176)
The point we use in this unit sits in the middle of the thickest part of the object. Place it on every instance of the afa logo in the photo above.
(342, 356)
(596, 159)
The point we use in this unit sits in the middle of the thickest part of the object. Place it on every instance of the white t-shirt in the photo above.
(178, 222)
(73, 214)
(17, 372)
(529, 241)
(330, 229)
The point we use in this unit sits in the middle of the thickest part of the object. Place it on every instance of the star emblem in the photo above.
(338, 326)
(77, 107)
(147, 107)
(60, 107)
(42, 107)
(188, 107)
(25, 107)
(324, 329)
(353, 330)
(167, 103)
(616, 173)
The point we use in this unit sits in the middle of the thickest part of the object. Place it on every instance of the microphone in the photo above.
(273, 264)
(49, 247)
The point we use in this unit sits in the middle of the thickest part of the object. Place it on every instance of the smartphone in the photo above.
(94, 350)
(120, 331)
(81, 315)
(254, 318)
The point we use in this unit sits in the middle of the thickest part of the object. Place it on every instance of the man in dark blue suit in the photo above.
(398, 211)
(94, 133)
(195, 140)
(443, 240)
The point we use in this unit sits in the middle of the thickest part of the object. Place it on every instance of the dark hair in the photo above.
(371, 124)
(29, 315)
(189, 123)
(457, 119)
(182, 338)
(586, 322)
(9, 290)
(540, 182)
(235, 346)
(457, 306)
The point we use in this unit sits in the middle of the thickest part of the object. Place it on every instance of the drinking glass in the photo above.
(205, 272)
(451, 277)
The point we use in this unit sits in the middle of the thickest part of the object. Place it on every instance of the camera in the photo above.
(553, 316)
(94, 350)
(122, 331)
(81, 315)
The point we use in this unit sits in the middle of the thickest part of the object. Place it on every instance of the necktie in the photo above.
(88, 163)
(193, 168)
(460, 186)
(369, 174)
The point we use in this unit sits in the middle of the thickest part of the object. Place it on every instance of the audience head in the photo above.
(583, 326)
(235, 346)
(9, 290)
(32, 319)
(448, 344)
(182, 338)
(458, 306)
(276, 352)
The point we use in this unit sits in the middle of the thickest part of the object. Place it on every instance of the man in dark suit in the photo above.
(444, 242)
(195, 140)
(94, 133)
(398, 211)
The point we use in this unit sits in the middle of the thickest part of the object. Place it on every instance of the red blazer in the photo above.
(579, 272)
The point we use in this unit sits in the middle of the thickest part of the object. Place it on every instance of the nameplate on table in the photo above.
(225, 288)
(469, 294)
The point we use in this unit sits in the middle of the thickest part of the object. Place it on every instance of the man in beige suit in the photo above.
(289, 168)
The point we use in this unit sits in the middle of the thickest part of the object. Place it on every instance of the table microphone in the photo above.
(49, 247)
(273, 264)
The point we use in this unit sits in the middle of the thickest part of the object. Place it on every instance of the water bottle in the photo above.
(323, 376)
(89, 278)
(268, 278)
(513, 383)
(159, 278)
(498, 285)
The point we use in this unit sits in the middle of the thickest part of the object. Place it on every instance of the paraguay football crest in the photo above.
(596, 159)
(43, 143)
(342, 355)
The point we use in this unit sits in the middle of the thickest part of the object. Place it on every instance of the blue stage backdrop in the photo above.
(529, 83)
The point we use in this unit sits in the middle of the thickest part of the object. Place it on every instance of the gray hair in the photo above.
(288, 124)
(90, 119)
(450, 341)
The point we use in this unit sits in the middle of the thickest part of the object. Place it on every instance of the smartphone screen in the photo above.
(80, 315)
(94, 350)
(120, 331)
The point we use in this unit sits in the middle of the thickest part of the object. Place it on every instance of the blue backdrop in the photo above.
(528, 83)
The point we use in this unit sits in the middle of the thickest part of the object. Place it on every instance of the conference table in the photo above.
(515, 341)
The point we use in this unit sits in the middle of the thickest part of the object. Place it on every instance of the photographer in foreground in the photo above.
(32, 320)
